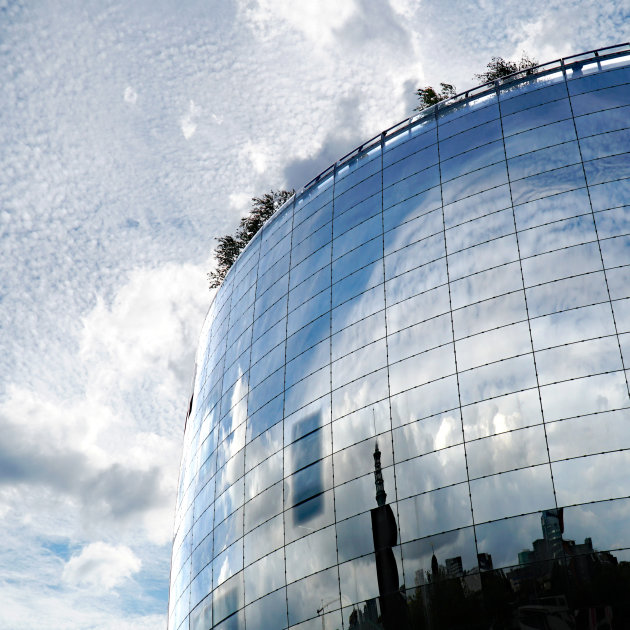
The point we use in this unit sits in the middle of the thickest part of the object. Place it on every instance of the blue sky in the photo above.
(131, 135)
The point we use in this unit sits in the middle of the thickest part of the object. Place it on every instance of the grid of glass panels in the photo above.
(446, 316)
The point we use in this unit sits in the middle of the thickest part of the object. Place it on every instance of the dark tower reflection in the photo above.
(385, 535)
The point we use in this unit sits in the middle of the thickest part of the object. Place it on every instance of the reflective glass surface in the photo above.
(411, 405)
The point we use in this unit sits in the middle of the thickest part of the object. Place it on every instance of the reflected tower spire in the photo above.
(381, 495)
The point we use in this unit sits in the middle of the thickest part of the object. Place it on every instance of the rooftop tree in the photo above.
(229, 247)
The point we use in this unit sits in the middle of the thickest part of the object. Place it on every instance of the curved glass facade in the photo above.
(411, 405)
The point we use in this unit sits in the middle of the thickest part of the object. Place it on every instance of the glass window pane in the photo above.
(610, 195)
(477, 181)
(360, 425)
(430, 434)
(590, 434)
(492, 346)
(561, 264)
(492, 313)
(417, 308)
(507, 451)
(592, 478)
(480, 230)
(358, 459)
(268, 612)
(409, 341)
(434, 512)
(498, 378)
(578, 359)
(565, 294)
(357, 308)
(413, 255)
(478, 205)
(533, 140)
(486, 284)
(482, 134)
(500, 414)
(357, 335)
(536, 116)
(306, 596)
(422, 368)
(264, 576)
(411, 208)
(583, 396)
(512, 493)
(264, 539)
(429, 472)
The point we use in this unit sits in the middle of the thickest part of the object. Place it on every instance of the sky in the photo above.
(131, 135)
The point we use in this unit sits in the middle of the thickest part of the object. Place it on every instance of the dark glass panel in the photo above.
(354, 537)
(227, 599)
(308, 517)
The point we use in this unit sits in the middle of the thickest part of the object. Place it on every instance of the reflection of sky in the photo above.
(576, 364)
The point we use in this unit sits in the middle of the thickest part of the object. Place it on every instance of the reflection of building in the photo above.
(458, 289)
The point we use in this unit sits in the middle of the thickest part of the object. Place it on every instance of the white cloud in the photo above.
(189, 121)
(130, 95)
(100, 565)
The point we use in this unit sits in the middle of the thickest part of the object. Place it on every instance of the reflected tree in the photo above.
(229, 247)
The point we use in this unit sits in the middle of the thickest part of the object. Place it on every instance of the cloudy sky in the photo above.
(131, 135)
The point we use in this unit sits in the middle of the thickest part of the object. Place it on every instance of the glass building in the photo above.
(411, 403)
